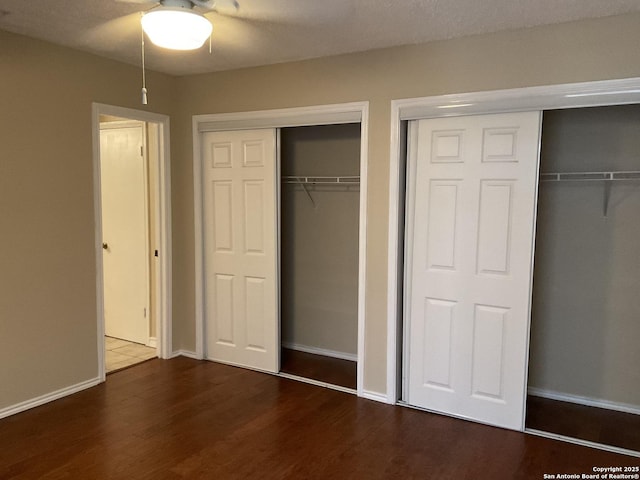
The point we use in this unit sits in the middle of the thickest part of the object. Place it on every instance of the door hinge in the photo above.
(141, 151)
(145, 312)
(155, 253)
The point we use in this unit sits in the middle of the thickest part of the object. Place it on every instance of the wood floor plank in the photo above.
(334, 371)
(599, 425)
(188, 419)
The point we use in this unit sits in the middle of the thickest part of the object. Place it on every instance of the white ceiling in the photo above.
(272, 31)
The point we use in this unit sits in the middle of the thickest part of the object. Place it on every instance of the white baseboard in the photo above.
(48, 397)
(321, 351)
(153, 342)
(588, 401)
(185, 353)
(375, 396)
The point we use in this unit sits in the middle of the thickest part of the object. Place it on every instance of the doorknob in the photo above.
(105, 246)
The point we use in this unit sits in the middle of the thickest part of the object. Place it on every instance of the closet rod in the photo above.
(309, 180)
(589, 176)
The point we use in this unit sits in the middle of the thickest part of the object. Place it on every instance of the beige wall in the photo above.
(581, 51)
(47, 260)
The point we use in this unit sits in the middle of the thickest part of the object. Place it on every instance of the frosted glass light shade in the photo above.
(176, 28)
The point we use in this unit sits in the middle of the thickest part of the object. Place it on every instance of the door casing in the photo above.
(575, 95)
(162, 235)
(357, 112)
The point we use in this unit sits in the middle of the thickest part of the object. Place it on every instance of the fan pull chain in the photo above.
(144, 78)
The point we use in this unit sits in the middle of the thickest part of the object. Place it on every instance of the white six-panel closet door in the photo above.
(240, 228)
(472, 187)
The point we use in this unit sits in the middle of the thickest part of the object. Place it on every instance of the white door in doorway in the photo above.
(240, 247)
(470, 236)
(124, 231)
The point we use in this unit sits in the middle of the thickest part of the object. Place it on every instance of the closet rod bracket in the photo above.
(306, 190)
(607, 195)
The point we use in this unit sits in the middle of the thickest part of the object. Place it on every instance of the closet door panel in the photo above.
(256, 313)
(254, 218)
(223, 328)
(221, 153)
(441, 235)
(472, 201)
(240, 248)
(437, 335)
(494, 227)
(222, 210)
(488, 351)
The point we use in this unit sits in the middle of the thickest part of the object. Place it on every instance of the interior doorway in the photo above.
(126, 164)
(124, 173)
(132, 236)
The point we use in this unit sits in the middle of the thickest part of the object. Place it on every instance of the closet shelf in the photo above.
(303, 181)
(606, 177)
(307, 180)
(588, 176)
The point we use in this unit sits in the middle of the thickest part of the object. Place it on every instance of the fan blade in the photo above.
(226, 5)
(298, 12)
(217, 5)
(139, 2)
(205, 4)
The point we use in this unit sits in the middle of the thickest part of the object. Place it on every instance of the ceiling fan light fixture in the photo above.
(176, 28)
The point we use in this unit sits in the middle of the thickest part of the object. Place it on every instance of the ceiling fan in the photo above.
(182, 25)
(177, 24)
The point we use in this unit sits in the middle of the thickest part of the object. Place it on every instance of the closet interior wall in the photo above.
(586, 302)
(319, 240)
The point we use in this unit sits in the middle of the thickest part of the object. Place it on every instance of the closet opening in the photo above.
(319, 252)
(584, 380)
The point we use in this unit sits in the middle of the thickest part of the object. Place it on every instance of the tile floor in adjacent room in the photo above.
(122, 353)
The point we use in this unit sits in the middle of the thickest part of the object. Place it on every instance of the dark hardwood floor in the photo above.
(189, 419)
(587, 423)
(318, 367)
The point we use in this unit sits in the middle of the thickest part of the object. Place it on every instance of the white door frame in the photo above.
(162, 234)
(574, 95)
(356, 112)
